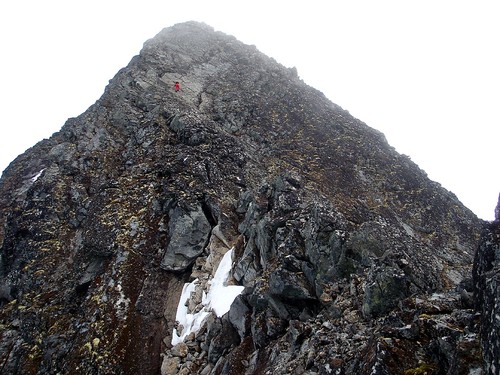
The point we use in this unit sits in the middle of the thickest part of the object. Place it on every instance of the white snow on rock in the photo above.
(187, 322)
(219, 298)
(33, 179)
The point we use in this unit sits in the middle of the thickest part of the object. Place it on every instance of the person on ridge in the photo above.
(177, 86)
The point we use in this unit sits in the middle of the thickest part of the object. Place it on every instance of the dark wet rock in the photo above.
(487, 292)
(221, 336)
(239, 316)
(383, 291)
(189, 232)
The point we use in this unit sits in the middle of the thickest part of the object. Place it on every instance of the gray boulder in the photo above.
(189, 231)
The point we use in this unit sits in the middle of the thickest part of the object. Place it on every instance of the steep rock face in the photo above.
(351, 258)
(487, 291)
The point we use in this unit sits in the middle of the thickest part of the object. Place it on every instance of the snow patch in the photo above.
(33, 179)
(186, 321)
(220, 295)
(219, 298)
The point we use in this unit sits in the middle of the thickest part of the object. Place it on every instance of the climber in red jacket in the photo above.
(177, 86)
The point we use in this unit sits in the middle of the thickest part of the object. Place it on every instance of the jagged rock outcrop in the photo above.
(487, 292)
(353, 261)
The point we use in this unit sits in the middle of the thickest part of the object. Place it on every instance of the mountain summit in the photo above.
(132, 221)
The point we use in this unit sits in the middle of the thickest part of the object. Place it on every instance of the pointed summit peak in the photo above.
(190, 37)
(201, 147)
(191, 28)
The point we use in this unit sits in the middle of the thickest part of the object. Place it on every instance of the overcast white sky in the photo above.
(426, 73)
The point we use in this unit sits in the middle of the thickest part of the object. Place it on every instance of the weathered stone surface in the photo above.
(354, 262)
(189, 232)
(239, 316)
(383, 291)
(169, 366)
(221, 336)
(179, 350)
(487, 292)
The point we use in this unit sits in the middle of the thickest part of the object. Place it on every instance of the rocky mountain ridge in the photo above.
(351, 259)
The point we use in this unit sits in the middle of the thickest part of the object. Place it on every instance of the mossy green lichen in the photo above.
(423, 369)
(424, 316)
